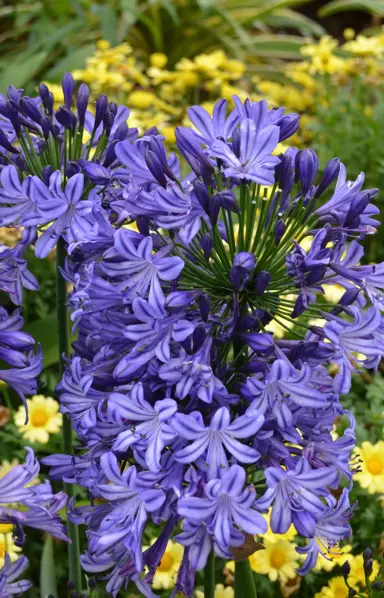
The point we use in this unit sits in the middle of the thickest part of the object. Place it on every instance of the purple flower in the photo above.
(40, 505)
(191, 374)
(363, 335)
(129, 504)
(28, 203)
(228, 509)
(74, 222)
(209, 442)
(141, 266)
(296, 494)
(148, 427)
(282, 389)
(332, 527)
(250, 157)
(9, 574)
(217, 126)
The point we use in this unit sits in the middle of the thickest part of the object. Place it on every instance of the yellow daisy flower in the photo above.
(7, 544)
(335, 589)
(279, 560)
(371, 476)
(44, 419)
(220, 592)
(165, 575)
(357, 576)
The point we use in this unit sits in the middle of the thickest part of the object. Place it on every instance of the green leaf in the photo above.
(108, 22)
(371, 6)
(20, 71)
(290, 19)
(128, 9)
(48, 585)
(44, 331)
(277, 46)
(70, 62)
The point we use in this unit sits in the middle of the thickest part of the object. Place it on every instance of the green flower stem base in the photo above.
(209, 576)
(63, 344)
(244, 580)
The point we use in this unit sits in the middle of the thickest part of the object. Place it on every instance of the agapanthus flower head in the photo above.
(188, 408)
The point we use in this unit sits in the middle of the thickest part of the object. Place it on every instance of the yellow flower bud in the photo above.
(140, 98)
(158, 59)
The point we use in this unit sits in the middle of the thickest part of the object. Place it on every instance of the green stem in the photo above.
(63, 342)
(209, 576)
(244, 580)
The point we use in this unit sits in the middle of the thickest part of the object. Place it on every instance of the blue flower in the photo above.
(75, 220)
(148, 427)
(9, 574)
(250, 157)
(295, 493)
(209, 442)
(227, 509)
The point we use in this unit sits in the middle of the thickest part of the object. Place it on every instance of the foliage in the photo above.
(45, 39)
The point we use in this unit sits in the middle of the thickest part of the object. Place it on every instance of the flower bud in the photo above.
(82, 102)
(100, 109)
(6, 144)
(262, 281)
(288, 125)
(330, 173)
(206, 245)
(66, 118)
(155, 167)
(306, 166)
(68, 85)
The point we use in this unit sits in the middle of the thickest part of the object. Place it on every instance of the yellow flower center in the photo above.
(39, 418)
(5, 528)
(277, 558)
(375, 466)
(166, 563)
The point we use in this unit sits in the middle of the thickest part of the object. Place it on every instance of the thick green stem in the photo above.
(209, 576)
(244, 580)
(63, 342)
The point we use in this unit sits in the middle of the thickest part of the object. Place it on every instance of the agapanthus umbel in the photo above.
(190, 412)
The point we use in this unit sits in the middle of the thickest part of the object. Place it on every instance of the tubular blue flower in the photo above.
(251, 160)
(28, 203)
(363, 335)
(127, 515)
(281, 390)
(148, 427)
(40, 505)
(143, 268)
(296, 492)
(74, 222)
(9, 574)
(191, 373)
(228, 509)
(210, 441)
(329, 531)
(217, 126)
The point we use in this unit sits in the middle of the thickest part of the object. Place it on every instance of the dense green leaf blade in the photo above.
(20, 71)
(48, 584)
(45, 332)
(372, 6)
(73, 60)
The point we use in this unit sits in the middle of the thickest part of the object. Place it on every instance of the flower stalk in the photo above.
(209, 576)
(63, 344)
(244, 580)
